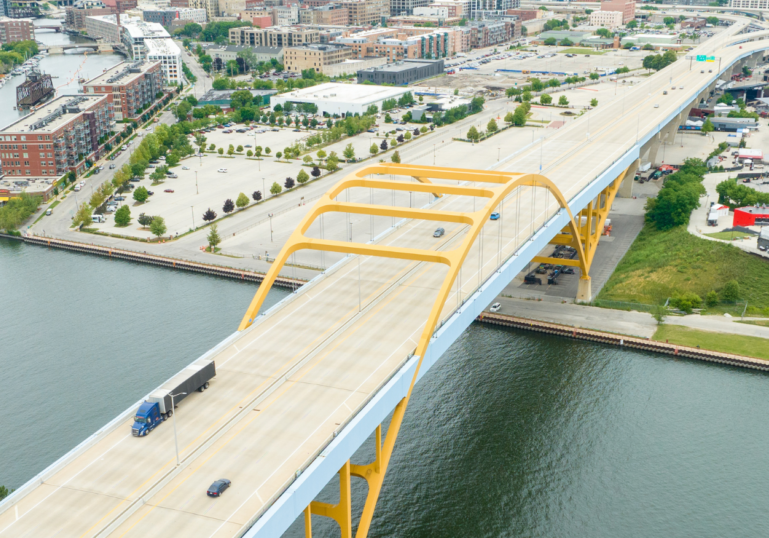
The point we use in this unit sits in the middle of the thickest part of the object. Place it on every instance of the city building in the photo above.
(22, 9)
(223, 98)
(332, 98)
(105, 27)
(16, 30)
(130, 86)
(749, 4)
(757, 215)
(57, 137)
(488, 33)
(694, 22)
(231, 7)
(363, 12)
(423, 20)
(626, 7)
(135, 33)
(330, 14)
(75, 16)
(528, 14)
(169, 55)
(165, 17)
(608, 19)
(230, 52)
(401, 73)
(763, 238)
(315, 56)
(481, 9)
(260, 18)
(275, 36)
(400, 43)
(211, 7)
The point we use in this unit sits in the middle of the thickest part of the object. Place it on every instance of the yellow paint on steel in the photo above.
(341, 512)
(507, 182)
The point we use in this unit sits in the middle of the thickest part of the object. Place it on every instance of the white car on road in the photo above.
(222, 170)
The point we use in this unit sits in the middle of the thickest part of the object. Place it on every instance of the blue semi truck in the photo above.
(158, 407)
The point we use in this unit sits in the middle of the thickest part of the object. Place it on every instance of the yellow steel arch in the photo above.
(506, 183)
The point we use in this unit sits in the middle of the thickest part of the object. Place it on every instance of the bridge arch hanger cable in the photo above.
(504, 184)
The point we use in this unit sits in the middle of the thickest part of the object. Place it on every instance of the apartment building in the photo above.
(362, 12)
(749, 4)
(329, 14)
(105, 27)
(489, 33)
(16, 30)
(626, 7)
(608, 19)
(315, 57)
(130, 86)
(165, 17)
(401, 43)
(481, 9)
(231, 7)
(169, 55)
(406, 7)
(211, 7)
(275, 36)
(74, 17)
(57, 137)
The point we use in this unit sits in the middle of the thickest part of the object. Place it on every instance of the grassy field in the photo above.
(592, 52)
(759, 322)
(728, 236)
(750, 346)
(662, 264)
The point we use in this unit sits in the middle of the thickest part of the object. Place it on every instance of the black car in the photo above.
(439, 232)
(150, 193)
(218, 487)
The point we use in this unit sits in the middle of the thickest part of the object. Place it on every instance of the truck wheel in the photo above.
(170, 413)
(201, 388)
(205, 386)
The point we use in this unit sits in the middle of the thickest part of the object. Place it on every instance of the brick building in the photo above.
(401, 43)
(59, 136)
(330, 14)
(16, 30)
(362, 12)
(130, 85)
(275, 36)
(315, 57)
(626, 7)
(74, 17)
(609, 19)
(526, 14)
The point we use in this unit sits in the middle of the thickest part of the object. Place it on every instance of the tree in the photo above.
(144, 220)
(383, 146)
(83, 216)
(239, 149)
(158, 226)
(349, 152)
(473, 134)
(395, 157)
(4, 492)
(632, 24)
(509, 117)
(562, 101)
(289, 183)
(373, 150)
(221, 151)
(208, 216)
(302, 177)
(407, 135)
(242, 201)
(545, 99)
(730, 292)
(603, 32)
(526, 96)
(276, 189)
(594, 102)
(322, 154)
(594, 76)
(278, 155)
(711, 299)
(491, 127)
(141, 195)
(220, 84)
(257, 195)
(332, 163)
(708, 126)
(123, 216)
(249, 153)
(228, 206)
(315, 172)
(550, 41)
(566, 42)
(213, 237)
(648, 46)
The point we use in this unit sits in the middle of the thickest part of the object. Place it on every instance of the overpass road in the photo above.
(287, 385)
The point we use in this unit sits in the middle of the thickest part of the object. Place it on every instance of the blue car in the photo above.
(218, 487)
(495, 216)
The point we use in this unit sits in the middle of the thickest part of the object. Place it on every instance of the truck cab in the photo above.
(147, 417)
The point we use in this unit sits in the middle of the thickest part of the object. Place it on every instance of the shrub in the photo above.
(711, 299)
(731, 291)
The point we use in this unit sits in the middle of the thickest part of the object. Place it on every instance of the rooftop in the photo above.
(162, 47)
(147, 30)
(238, 48)
(345, 93)
(319, 46)
(219, 95)
(402, 66)
(123, 73)
(54, 114)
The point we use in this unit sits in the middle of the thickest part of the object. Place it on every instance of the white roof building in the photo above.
(341, 98)
(169, 55)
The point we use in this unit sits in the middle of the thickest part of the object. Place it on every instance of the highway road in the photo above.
(285, 385)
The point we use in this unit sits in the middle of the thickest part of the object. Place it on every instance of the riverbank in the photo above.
(160, 261)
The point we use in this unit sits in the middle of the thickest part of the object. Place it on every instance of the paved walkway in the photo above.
(620, 321)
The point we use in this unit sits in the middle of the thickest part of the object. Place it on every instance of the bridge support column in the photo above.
(341, 512)
(626, 187)
(584, 290)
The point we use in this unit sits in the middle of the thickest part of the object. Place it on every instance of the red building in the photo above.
(16, 30)
(129, 85)
(57, 137)
(751, 215)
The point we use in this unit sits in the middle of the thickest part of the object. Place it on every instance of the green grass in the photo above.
(750, 346)
(728, 236)
(591, 52)
(759, 322)
(661, 264)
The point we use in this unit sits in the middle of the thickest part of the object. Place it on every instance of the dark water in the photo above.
(511, 434)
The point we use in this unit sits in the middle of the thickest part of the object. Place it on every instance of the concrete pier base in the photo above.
(584, 291)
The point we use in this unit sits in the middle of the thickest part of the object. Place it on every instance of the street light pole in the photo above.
(270, 215)
(196, 183)
(192, 210)
(173, 417)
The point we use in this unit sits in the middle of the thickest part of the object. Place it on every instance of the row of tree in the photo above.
(678, 197)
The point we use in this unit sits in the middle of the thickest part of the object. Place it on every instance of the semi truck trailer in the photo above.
(159, 404)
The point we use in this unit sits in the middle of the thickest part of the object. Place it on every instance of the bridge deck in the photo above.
(286, 384)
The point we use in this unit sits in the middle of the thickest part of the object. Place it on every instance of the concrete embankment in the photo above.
(160, 261)
(625, 341)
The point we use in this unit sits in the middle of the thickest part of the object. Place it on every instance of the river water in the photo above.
(64, 68)
(511, 434)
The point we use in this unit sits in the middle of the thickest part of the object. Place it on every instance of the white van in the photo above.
(77, 188)
(99, 218)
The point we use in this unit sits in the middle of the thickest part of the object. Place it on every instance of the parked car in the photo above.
(112, 167)
(119, 198)
(495, 307)
(48, 212)
(222, 170)
(168, 190)
(185, 168)
(135, 179)
(150, 193)
(218, 487)
(439, 232)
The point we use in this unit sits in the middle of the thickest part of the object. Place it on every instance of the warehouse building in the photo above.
(340, 99)
(757, 215)
(400, 73)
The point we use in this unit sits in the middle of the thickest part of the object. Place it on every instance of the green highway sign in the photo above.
(703, 58)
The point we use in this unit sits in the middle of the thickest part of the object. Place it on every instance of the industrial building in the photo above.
(757, 215)
(59, 136)
(340, 99)
(129, 85)
(733, 124)
(404, 72)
